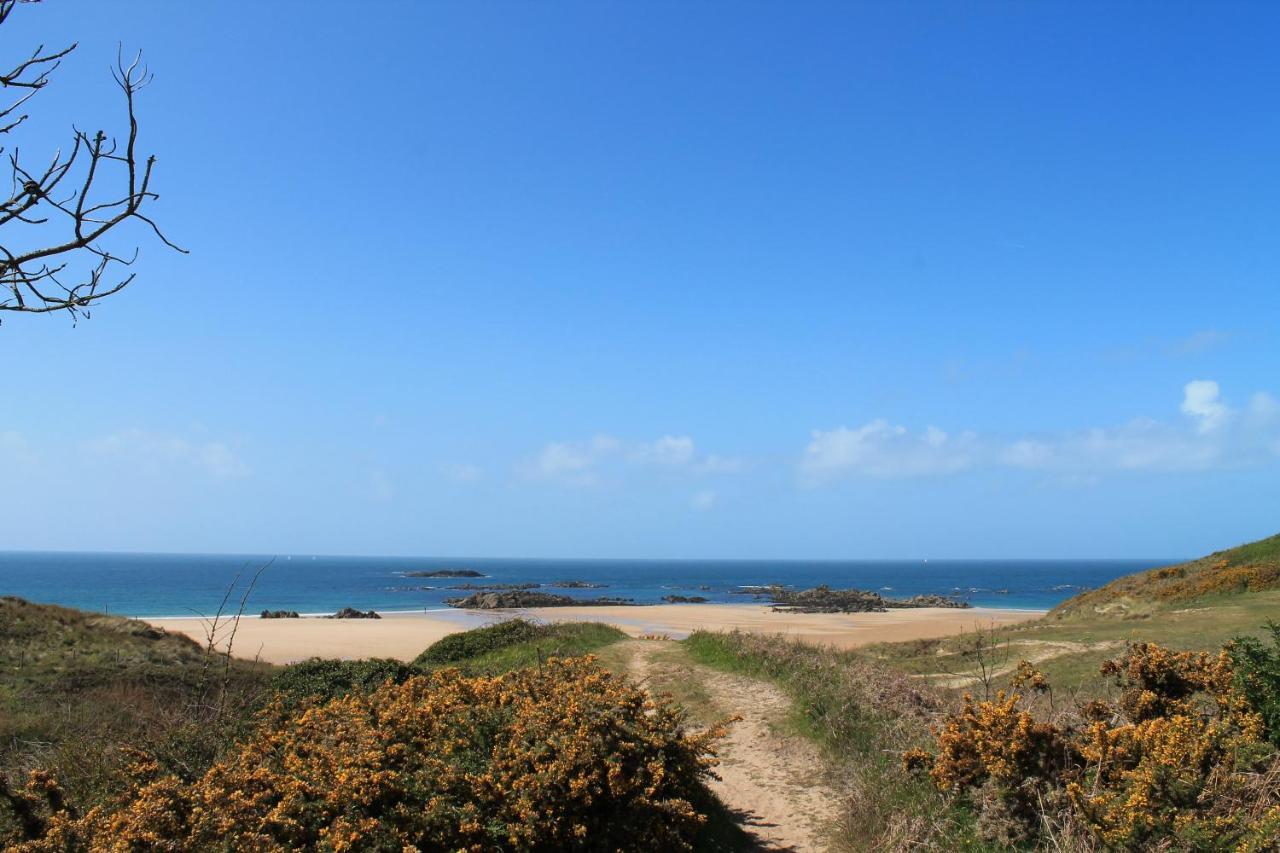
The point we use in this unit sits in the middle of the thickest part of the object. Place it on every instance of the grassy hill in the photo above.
(75, 686)
(1254, 567)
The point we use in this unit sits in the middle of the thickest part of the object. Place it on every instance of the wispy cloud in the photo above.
(704, 500)
(1197, 342)
(215, 459)
(1210, 434)
(583, 463)
(462, 472)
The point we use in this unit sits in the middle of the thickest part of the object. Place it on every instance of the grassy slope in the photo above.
(1183, 607)
(74, 686)
(1250, 568)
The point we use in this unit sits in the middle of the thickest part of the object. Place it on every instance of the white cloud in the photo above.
(582, 463)
(462, 472)
(668, 450)
(378, 486)
(882, 450)
(1211, 435)
(704, 500)
(213, 458)
(15, 449)
(1200, 341)
(1200, 400)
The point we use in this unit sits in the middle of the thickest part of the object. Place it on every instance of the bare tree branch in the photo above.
(34, 262)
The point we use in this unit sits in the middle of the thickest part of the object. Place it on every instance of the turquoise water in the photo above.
(183, 584)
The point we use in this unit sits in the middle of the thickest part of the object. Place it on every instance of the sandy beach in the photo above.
(404, 635)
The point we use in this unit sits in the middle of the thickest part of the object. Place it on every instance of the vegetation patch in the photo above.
(564, 756)
(1177, 760)
(1250, 568)
(863, 715)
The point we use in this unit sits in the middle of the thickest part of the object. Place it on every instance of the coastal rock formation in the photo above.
(926, 600)
(824, 599)
(495, 587)
(683, 599)
(352, 613)
(279, 614)
(523, 598)
(445, 573)
(576, 585)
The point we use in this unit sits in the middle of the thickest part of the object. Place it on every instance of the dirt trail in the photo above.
(771, 780)
(1041, 650)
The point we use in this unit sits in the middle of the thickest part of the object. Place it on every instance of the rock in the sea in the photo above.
(445, 573)
(495, 587)
(279, 614)
(352, 613)
(823, 599)
(926, 600)
(576, 585)
(683, 599)
(524, 598)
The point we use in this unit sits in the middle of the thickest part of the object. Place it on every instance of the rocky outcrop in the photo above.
(926, 600)
(445, 573)
(823, 599)
(279, 614)
(495, 587)
(352, 613)
(523, 598)
(683, 599)
(576, 585)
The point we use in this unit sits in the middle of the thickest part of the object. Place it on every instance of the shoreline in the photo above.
(405, 634)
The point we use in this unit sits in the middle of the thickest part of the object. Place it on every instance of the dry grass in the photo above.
(864, 716)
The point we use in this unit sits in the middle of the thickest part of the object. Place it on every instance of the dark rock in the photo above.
(576, 585)
(683, 599)
(279, 614)
(494, 587)
(352, 613)
(445, 573)
(823, 599)
(926, 600)
(521, 598)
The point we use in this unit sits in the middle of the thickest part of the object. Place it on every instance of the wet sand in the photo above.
(404, 635)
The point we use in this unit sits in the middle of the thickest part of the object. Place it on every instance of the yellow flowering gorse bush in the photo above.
(562, 756)
(1180, 756)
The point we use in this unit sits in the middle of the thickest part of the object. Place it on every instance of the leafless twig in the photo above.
(52, 256)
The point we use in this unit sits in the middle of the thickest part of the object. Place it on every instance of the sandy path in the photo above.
(404, 635)
(1041, 650)
(770, 780)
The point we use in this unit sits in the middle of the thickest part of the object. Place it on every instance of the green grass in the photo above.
(561, 640)
(863, 716)
(1250, 568)
(76, 686)
(1205, 625)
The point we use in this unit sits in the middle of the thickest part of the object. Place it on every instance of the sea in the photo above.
(153, 585)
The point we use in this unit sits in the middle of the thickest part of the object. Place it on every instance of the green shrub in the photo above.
(327, 679)
(1257, 670)
(472, 644)
(565, 756)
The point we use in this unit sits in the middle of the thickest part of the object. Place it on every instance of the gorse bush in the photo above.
(1257, 670)
(1178, 760)
(471, 644)
(565, 756)
(328, 679)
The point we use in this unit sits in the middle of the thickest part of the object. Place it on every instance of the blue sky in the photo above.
(751, 280)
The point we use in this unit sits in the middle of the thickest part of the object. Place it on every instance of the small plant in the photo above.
(1178, 759)
(472, 644)
(1257, 670)
(323, 680)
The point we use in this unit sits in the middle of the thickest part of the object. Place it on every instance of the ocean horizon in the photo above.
(173, 585)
